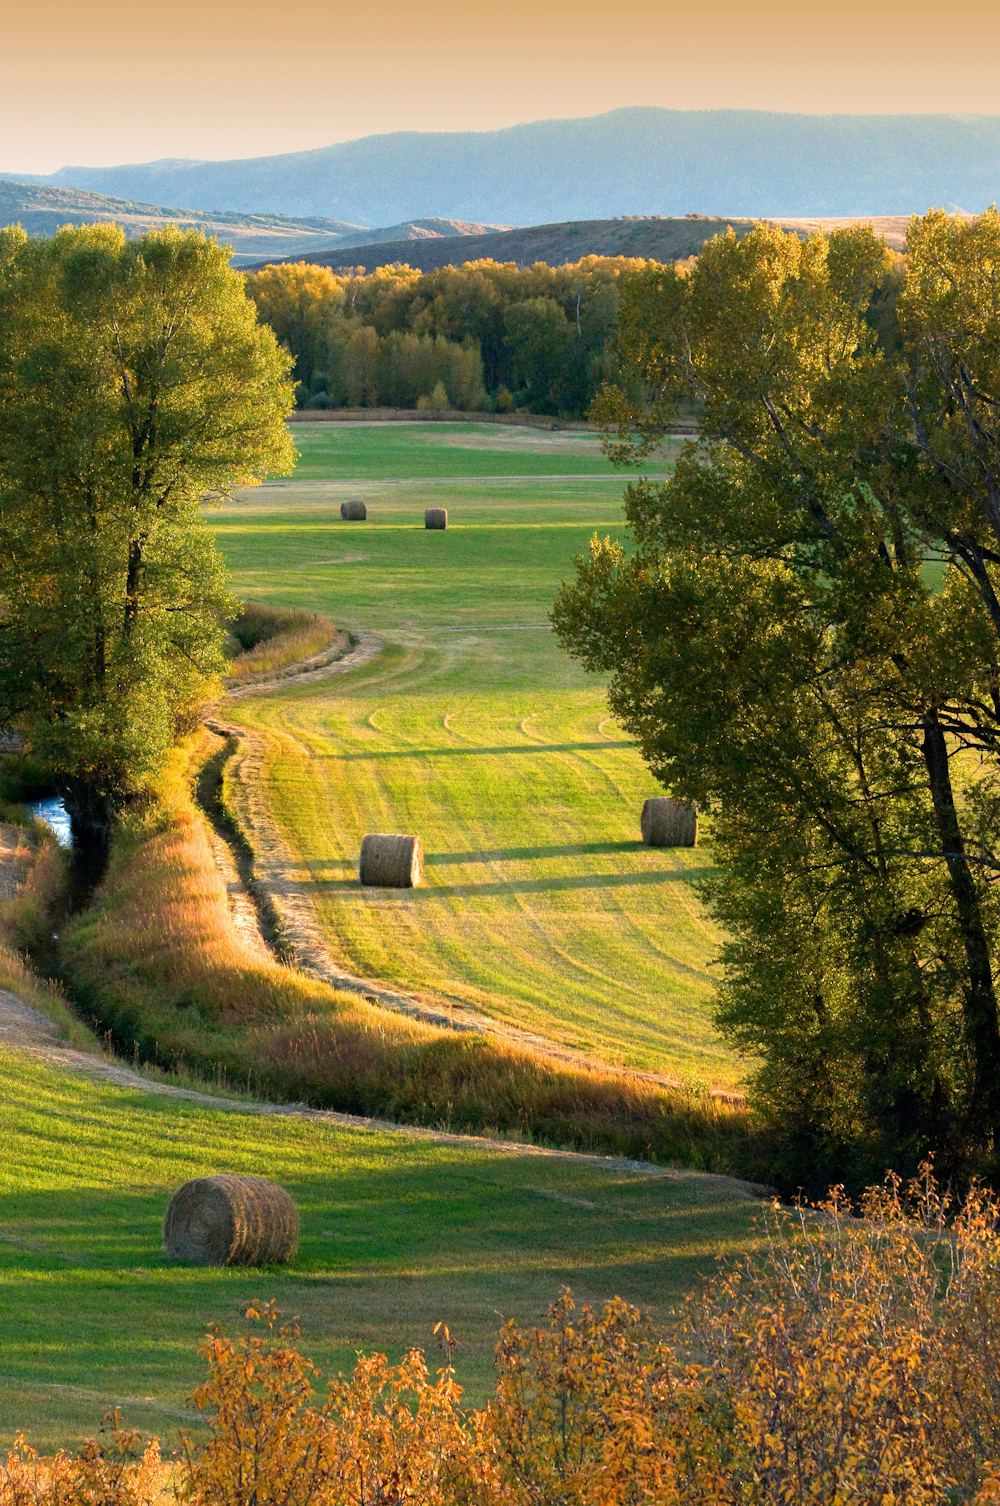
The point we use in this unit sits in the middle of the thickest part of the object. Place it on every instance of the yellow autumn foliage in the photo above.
(112, 1471)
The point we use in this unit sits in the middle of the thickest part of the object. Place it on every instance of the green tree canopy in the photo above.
(545, 333)
(135, 381)
(802, 638)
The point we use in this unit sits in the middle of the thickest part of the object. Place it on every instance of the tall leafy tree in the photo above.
(135, 382)
(801, 641)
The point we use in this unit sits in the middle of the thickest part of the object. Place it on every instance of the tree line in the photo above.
(483, 336)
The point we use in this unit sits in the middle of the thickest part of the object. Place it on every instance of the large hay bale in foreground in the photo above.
(228, 1220)
(436, 517)
(353, 512)
(669, 823)
(390, 862)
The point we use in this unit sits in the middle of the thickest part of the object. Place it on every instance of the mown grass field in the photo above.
(397, 1233)
(540, 905)
(379, 450)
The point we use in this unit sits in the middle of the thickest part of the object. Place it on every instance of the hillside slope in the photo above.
(653, 237)
(640, 160)
(42, 208)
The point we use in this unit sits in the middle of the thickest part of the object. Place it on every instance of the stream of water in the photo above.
(53, 812)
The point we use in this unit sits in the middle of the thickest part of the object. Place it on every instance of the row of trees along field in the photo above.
(805, 638)
(482, 336)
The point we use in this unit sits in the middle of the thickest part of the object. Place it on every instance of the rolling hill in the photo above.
(41, 208)
(652, 236)
(640, 160)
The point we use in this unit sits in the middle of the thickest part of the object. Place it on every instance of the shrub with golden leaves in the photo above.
(401, 1437)
(966, 1368)
(856, 1360)
(592, 1411)
(386, 1436)
(267, 1444)
(103, 1473)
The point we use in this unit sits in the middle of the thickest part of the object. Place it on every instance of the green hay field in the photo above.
(378, 450)
(397, 1233)
(540, 906)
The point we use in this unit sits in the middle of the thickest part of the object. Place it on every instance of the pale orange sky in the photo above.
(107, 81)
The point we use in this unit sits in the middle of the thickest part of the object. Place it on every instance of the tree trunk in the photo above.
(132, 587)
(91, 813)
(981, 1023)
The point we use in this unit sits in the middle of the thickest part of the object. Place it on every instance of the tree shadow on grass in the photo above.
(426, 893)
(395, 1236)
(501, 854)
(376, 756)
(519, 854)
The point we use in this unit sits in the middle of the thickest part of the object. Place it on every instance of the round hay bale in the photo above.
(669, 823)
(436, 517)
(390, 862)
(353, 512)
(228, 1220)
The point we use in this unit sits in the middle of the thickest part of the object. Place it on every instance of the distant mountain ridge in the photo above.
(41, 208)
(640, 160)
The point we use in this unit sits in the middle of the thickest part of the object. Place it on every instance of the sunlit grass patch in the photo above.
(397, 1233)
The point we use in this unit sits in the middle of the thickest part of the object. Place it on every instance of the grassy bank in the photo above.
(158, 961)
(32, 902)
(265, 640)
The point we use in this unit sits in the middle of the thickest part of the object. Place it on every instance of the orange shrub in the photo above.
(106, 1473)
(593, 1411)
(388, 1435)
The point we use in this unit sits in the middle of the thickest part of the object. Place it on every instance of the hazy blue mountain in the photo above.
(632, 161)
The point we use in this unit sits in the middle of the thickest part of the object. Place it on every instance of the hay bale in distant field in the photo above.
(228, 1220)
(353, 512)
(669, 823)
(436, 517)
(390, 862)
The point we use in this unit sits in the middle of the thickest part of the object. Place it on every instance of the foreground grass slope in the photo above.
(397, 1233)
(540, 903)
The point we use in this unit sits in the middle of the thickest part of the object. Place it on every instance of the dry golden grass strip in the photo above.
(274, 638)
